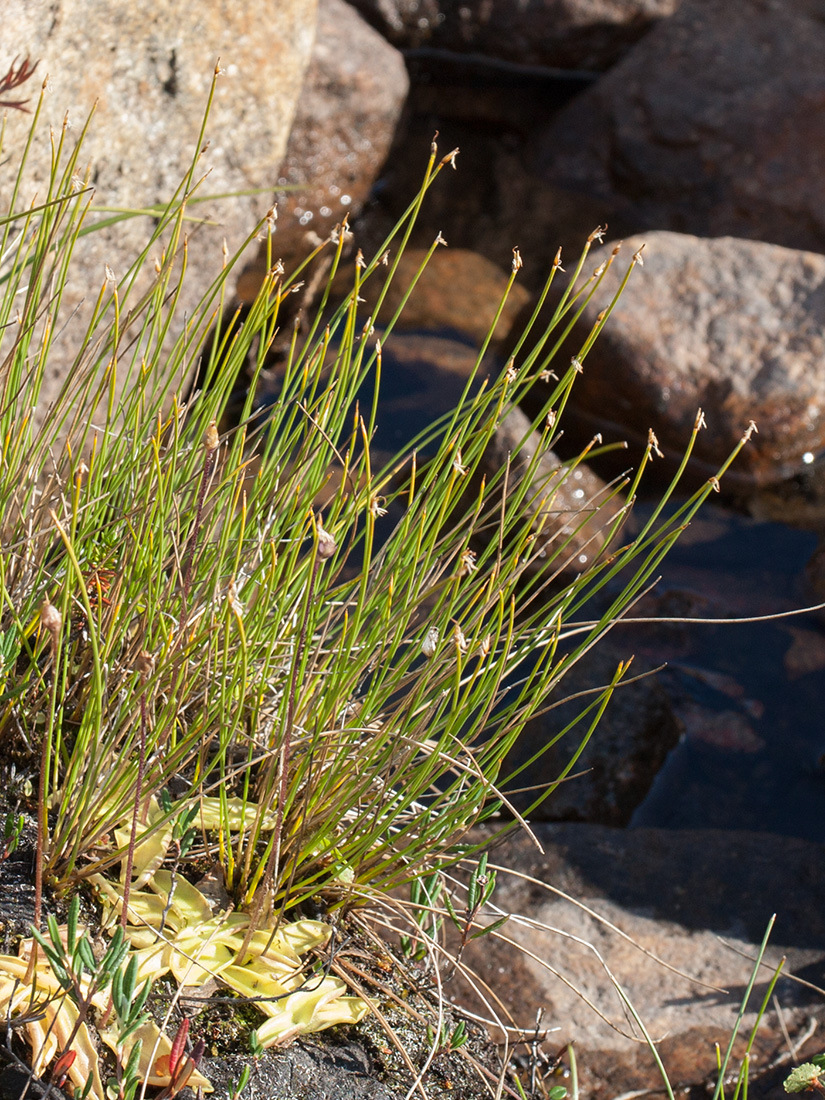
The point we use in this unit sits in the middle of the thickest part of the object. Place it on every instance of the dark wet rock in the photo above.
(798, 501)
(731, 326)
(815, 571)
(749, 738)
(746, 692)
(571, 34)
(675, 894)
(620, 761)
(729, 729)
(16, 1082)
(354, 89)
(712, 125)
(571, 506)
(806, 653)
(424, 377)
(17, 891)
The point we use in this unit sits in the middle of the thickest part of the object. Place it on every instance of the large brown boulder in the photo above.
(732, 326)
(459, 291)
(573, 34)
(347, 112)
(712, 125)
(149, 69)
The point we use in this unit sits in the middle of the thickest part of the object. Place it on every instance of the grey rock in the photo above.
(698, 899)
(15, 1082)
(150, 69)
(318, 1069)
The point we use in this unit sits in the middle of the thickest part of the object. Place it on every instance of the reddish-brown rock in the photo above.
(713, 124)
(732, 326)
(458, 290)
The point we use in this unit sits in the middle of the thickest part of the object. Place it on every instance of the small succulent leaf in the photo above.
(54, 933)
(125, 1033)
(454, 917)
(803, 1078)
(178, 1044)
(185, 821)
(131, 1069)
(489, 888)
(490, 927)
(62, 975)
(129, 979)
(86, 955)
(114, 957)
(472, 890)
(153, 961)
(60, 1069)
(121, 1005)
(53, 956)
(140, 1000)
(87, 1088)
(71, 924)
(236, 1089)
